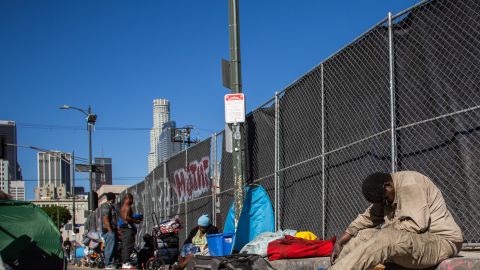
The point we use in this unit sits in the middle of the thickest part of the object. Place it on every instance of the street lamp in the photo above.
(91, 119)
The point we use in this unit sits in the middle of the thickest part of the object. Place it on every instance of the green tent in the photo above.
(28, 237)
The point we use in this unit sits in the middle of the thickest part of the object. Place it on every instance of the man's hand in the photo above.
(337, 249)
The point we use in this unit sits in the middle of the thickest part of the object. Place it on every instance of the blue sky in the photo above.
(117, 56)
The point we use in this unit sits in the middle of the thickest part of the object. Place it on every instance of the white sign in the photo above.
(234, 108)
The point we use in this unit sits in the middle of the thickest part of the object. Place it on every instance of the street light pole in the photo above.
(89, 126)
(91, 119)
(72, 190)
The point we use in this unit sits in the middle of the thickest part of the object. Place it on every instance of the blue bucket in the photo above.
(215, 244)
(228, 240)
(79, 252)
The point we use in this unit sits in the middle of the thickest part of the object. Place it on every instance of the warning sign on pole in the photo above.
(234, 108)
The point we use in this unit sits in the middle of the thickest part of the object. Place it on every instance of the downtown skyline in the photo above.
(119, 56)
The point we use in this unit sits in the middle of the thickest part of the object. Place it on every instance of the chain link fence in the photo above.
(403, 96)
(179, 187)
(437, 62)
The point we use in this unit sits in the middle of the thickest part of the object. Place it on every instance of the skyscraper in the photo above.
(4, 175)
(53, 175)
(9, 167)
(105, 178)
(17, 190)
(161, 115)
(166, 146)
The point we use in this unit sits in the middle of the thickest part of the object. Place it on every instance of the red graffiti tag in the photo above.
(193, 181)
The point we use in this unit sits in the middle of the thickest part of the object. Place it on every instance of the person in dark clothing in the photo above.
(67, 245)
(196, 240)
(147, 251)
(127, 230)
(210, 229)
(109, 229)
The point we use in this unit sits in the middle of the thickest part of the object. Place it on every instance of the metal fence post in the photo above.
(166, 210)
(145, 200)
(213, 176)
(154, 193)
(392, 95)
(277, 163)
(323, 149)
(187, 230)
(186, 205)
(136, 194)
(186, 158)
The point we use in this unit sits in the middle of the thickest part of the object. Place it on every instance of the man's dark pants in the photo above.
(68, 253)
(128, 242)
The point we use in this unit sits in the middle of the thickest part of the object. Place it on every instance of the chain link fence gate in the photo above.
(403, 96)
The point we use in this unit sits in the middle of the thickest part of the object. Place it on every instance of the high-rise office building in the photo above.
(17, 190)
(104, 178)
(161, 115)
(8, 157)
(53, 175)
(166, 146)
(4, 175)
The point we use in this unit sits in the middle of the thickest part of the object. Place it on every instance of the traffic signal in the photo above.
(93, 200)
(91, 119)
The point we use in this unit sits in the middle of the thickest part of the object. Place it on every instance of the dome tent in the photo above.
(28, 237)
(257, 217)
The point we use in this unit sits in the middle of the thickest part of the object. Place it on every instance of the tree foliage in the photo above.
(61, 216)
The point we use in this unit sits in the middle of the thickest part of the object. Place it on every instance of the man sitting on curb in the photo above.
(418, 230)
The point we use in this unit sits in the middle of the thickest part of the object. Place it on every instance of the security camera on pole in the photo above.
(235, 107)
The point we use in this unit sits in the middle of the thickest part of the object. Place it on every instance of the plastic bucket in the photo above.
(215, 244)
(228, 240)
(79, 252)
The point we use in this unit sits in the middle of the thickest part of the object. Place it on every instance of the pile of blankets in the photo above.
(289, 244)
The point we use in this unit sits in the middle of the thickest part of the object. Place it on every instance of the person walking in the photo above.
(128, 230)
(67, 246)
(109, 229)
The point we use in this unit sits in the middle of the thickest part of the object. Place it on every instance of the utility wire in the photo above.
(68, 127)
(50, 152)
(86, 179)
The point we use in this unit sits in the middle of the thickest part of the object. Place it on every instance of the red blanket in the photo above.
(293, 247)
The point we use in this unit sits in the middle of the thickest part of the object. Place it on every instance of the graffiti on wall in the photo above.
(193, 181)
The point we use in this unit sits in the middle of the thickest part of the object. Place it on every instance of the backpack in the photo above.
(230, 262)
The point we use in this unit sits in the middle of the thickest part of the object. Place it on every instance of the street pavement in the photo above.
(74, 267)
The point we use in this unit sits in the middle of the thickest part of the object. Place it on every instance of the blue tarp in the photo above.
(257, 217)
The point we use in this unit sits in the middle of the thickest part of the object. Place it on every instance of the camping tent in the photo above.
(28, 237)
(257, 216)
